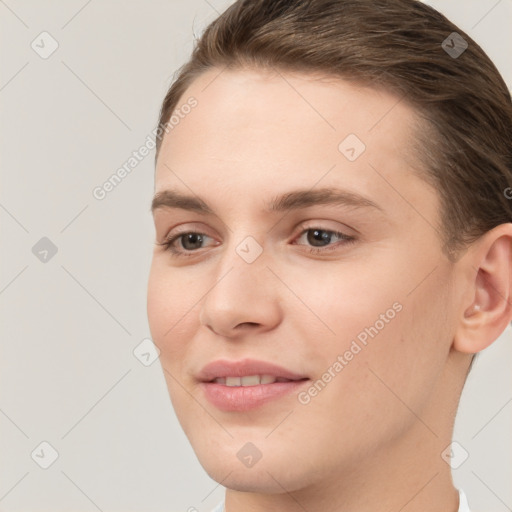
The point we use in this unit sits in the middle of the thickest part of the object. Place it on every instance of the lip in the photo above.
(244, 398)
(243, 368)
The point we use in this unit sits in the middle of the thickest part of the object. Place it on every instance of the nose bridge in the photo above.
(241, 291)
(241, 271)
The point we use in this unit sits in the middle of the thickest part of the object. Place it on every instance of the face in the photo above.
(309, 252)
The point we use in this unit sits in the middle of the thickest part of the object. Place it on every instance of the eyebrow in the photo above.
(294, 200)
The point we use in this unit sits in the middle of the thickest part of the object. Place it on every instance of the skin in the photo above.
(372, 438)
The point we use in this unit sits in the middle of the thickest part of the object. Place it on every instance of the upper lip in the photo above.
(243, 368)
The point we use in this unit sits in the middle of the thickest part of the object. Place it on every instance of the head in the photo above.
(335, 202)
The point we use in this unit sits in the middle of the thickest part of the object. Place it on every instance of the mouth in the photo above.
(247, 384)
(247, 371)
(251, 380)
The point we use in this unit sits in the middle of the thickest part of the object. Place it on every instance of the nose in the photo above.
(242, 297)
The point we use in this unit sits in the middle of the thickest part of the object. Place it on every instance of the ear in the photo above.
(488, 308)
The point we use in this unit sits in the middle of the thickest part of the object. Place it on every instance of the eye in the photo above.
(320, 239)
(190, 242)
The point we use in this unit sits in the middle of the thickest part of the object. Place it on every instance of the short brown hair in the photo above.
(463, 103)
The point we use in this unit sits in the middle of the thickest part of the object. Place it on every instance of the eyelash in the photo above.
(345, 239)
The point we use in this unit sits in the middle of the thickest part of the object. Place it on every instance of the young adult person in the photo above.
(333, 247)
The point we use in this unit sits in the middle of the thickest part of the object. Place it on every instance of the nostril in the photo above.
(247, 324)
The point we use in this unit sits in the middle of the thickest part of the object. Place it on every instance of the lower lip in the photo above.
(245, 398)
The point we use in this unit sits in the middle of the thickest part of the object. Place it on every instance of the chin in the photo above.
(251, 480)
(269, 475)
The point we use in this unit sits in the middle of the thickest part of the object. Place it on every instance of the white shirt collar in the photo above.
(463, 502)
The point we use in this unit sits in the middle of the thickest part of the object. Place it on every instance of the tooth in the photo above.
(250, 380)
(233, 381)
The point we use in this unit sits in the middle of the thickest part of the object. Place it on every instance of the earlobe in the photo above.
(490, 310)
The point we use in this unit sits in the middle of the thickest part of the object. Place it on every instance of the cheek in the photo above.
(169, 309)
(170, 313)
(381, 340)
(158, 299)
(343, 304)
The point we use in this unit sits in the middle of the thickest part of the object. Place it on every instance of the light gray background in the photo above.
(68, 374)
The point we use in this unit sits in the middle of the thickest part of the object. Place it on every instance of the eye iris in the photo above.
(193, 238)
(319, 235)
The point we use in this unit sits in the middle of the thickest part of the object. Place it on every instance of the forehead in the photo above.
(248, 96)
(260, 130)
